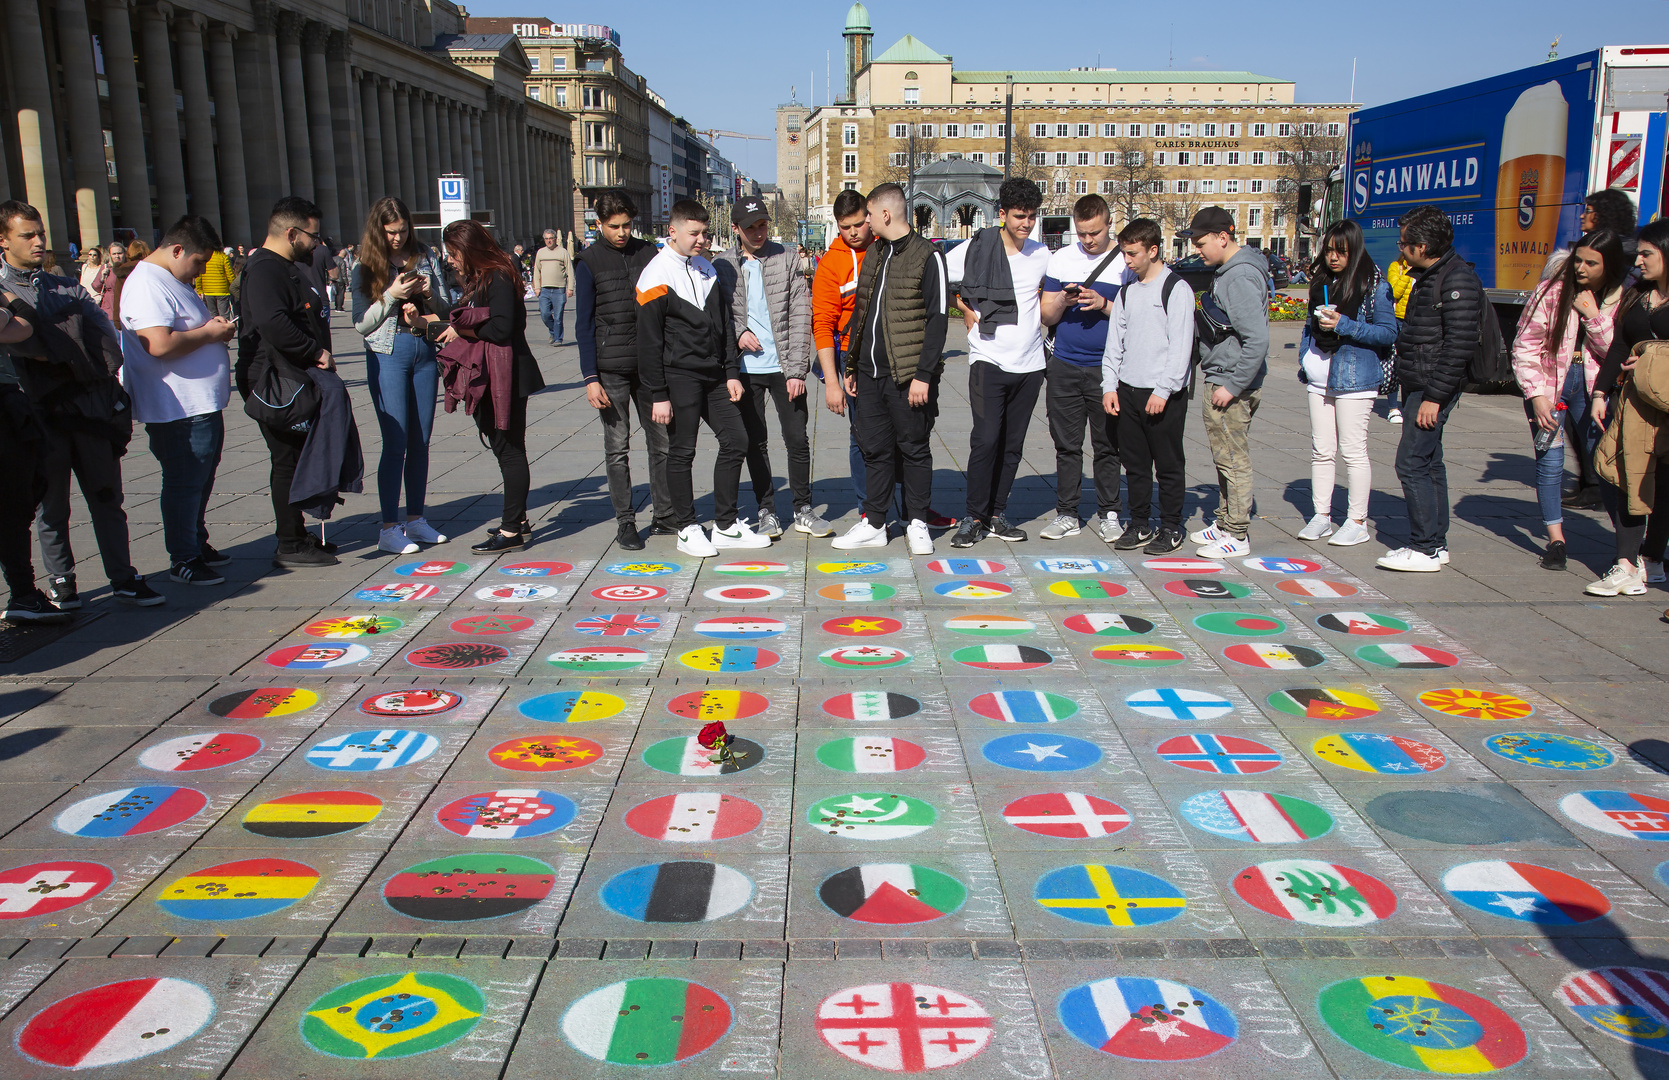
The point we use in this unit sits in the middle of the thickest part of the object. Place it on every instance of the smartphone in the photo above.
(410, 275)
(1072, 291)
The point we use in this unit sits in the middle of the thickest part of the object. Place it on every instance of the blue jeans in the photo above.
(1550, 463)
(1425, 481)
(189, 453)
(551, 303)
(403, 386)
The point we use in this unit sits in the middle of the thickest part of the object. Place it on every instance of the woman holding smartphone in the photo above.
(395, 277)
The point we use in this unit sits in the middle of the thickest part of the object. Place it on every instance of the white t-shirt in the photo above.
(198, 383)
(1317, 365)
(1018, 348)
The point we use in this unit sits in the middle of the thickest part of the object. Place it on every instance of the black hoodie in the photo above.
(279, 319)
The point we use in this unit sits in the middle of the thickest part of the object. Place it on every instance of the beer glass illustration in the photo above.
(1530, 185)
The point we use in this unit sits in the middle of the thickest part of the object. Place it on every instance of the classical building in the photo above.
(124, 115)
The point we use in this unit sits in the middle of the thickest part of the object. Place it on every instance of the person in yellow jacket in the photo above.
(1401, 280)
(215, 285)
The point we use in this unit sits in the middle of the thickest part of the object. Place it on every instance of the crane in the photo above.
(713, 133)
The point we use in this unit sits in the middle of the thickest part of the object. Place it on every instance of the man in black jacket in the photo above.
(281, 328)
(1435, 346)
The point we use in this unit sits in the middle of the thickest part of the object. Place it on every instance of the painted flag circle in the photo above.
(1525, 892)
(1275, 655)
(892, 894)
(718, 704)
(572, 706)
(536, 569)
(750, 569)
(903, 1027)
(862, 626)
(643, 569)
(1208, 589)
(867, 657)
(1239, 623)
(528, 594)
(1227, 754)
(871, 754)
(1362, 624)
(1003, 657)
(194, 753)
(864, 592)
(463, 888)
(1324, 703)
(1407, 657)
(1108, 895)
(990, 625)
(646, 1021)
(1317, 588)
(431, 568)
(372, 751)
(1476, 704)
(1067, 815)
(545, 753)
(318, 657)
(1030, 753)
(1147, 1019)
(352, 626)
(130, 811)
(488, 625)
(960, 567)
(1076, 566)
(393, 1016)
(1627, 1003)
(1315, 893)
(740, 627)
(1108, 624)
(309, 815)
(856, 569)
(396, 593)
(1546, 750)
(1181, 564)
(744, 594)
(872, 705)
(630, 593)
(871, 815)
(116, 1023)
(677, 892)
(242, 889)
(1422, 1026)
(413, 701)
(507, 814)
(596, 661)
(1374, 752)
(1088, 589)
(1138, 655)
(45, 887)
(694, 818)
(973, 590)
(1619, 813)
(1256, 817)
(1281, 564)
(623, 625)
(685, 756)
(1179, 703)
(1024, 706)
(457, 655)
(262, 703)
(729, 659)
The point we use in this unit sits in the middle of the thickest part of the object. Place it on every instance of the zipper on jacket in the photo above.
(875, 320)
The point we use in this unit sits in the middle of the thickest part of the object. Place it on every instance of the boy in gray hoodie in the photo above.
(1233, 362)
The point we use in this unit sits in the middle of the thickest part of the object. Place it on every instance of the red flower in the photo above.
(713, 735)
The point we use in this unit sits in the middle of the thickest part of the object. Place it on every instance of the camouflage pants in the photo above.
(1226, 429)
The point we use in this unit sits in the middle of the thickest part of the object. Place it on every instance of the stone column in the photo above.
(43, 181)
(81, 99)
(390, 137)
(402, 145)
(515, 175)
(423, 198)
(199, 125)
(167, 165)
(293, 87)
(266, 158)
(469, 158)
(316, 93)
(234, 181)
(376, 185)
(489, 162)
(455, 135)
(431, 143)
(347, 124)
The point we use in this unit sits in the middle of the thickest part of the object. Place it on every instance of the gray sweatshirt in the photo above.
(1239, 362)
(1149, 345)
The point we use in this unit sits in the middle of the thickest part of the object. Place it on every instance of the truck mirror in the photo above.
(1304, 199)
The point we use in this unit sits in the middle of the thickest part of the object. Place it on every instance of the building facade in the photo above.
(791, 153)
(124, 115)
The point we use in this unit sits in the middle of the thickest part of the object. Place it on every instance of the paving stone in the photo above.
(1141, 950)
(1460, 948)
(1094, 950)
(9, 946)
(1188, 948)
(145, 946)
(344, 945)
(578, 948)
(675, 949)
(1383, 948)
(859, 949)
(1280, 948)
(438, 946)
(292, 946)
(485, 947)
(1419, 948)
(243, 945)
(764, 949)
(44, 948)
(392, 945)
(1046, 950)
(719, 949)
(1328, 947)
(951, 949)
(905, 950)
(996, 949)
(94, 947)
(811, 949)
(1232, 948)
(626, 949)
(534, 948)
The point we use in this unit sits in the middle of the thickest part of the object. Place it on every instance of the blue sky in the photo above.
(728, 65)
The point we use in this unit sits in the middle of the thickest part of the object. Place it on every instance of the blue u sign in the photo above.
(452, 189)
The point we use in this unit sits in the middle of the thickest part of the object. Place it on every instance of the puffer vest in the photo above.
(895, 269)
(614, 274)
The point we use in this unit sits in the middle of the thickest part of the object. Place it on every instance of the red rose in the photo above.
(713, 735)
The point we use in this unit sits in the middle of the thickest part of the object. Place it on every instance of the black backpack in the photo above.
(1491, 361)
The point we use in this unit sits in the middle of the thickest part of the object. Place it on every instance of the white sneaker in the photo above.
(1394, 416)
(1109, 528)
(1654, 570)
(423, 532)
(393, 540)
(920, 542)
(1627, 580)
(692, 540)
(1211, 534)
(1319, 526)
(1411, 561)
(1063, 526)
(862, 535)
(1443, 556)
(1227, 548)
(739, 535)
(1350, 534)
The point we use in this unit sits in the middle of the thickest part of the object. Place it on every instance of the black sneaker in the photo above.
(136, 592)
(1135, 537)
(308, 555)
(1166, 542)
(321, 545)
(525, 528)
(195, 572)
(969, 531)
(213, 557)
(60, 588)
(627, 538)
(33, 606)
(663, 528)
(498, 542)
(1554, 557)
(1002, 530)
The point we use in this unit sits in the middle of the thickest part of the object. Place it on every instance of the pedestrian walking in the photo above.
(22, 439)
(215, 285)
(553, 280)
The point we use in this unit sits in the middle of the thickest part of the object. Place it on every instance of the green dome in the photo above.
(857, 18)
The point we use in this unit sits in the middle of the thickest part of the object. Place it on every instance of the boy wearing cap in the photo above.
(773, 332)
(1234, 357)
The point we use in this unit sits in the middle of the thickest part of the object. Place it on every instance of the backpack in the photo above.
(1491, 361)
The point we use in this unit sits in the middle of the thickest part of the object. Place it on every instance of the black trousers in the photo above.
(760, 390)
(896, 441)
(1071, 399)
(1152, 447)
(509, 446)
(285, 447)
(694, 401)
(21, 487)
(1001, 403)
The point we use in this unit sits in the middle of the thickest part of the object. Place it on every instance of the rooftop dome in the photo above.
(857, 18)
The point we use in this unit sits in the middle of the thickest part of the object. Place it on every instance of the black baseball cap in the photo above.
(1212, 219)
(749, 211)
